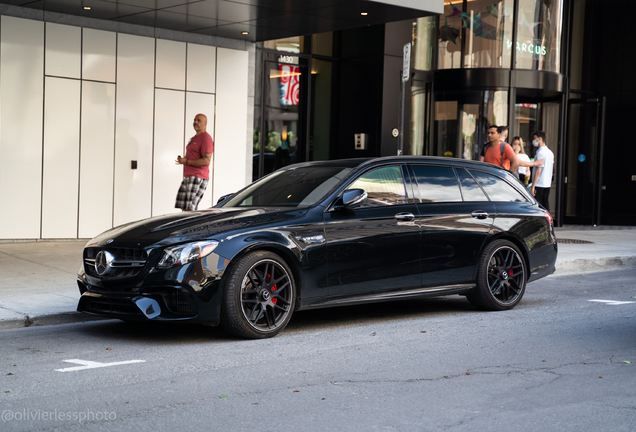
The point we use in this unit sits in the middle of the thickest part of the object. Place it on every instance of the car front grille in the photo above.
(126, 263)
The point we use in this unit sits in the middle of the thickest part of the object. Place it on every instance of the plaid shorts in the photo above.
(190, 193)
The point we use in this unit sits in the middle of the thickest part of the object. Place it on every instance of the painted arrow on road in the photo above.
(86, 364)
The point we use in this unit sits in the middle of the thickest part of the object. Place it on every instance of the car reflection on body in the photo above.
(322, 234)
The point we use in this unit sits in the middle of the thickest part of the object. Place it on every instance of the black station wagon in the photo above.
(322, 234)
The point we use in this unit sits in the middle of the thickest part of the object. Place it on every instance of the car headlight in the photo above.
(185, 253)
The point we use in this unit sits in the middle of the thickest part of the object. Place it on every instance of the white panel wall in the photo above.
(169, 114)
(199, 103)
(230, 149)
(134, 127)
(61, 157)
(98, 55)
(63, 51)
(21, 106)
(97, 156)
(171, 65)
(201, 68)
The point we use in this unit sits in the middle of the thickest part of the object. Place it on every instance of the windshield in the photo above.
(299, 187)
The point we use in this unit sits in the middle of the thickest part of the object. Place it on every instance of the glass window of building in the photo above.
(483, 27)
(462, 120)
(539, 26)
(450, 36)
(294, 44)
(487, 26)
(423, 39)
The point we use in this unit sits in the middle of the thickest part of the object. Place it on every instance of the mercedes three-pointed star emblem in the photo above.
(103, 261)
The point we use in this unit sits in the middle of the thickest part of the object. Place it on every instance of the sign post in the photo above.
(405, 74)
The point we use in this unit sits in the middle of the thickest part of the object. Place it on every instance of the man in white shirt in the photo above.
(542, 175)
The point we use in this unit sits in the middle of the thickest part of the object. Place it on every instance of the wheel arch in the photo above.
(286, 255)
(512, 239)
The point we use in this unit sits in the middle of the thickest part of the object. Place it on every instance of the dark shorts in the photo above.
(190, 193)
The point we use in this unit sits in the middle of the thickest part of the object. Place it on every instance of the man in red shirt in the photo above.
(196, 163)
(493, 152)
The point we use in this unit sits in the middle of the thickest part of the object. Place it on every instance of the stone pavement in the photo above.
(38, 287)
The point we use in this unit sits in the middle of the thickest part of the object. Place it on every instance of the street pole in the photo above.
(405, 75)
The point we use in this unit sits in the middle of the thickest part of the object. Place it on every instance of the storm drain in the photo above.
(573, 241)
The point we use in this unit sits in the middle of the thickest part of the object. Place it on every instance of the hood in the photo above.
(169, 229)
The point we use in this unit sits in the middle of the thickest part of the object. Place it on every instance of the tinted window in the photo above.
(384, 186)
(496, 188)
(436, 184)
(470, 189)
(290, 188)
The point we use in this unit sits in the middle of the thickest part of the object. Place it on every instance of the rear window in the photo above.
(436, 184)
(497, 189)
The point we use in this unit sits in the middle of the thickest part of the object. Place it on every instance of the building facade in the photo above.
(532, 65)
(94, 111)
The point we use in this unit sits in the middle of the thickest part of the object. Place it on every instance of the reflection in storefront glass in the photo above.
(450, 36)
(291, 44)
(462, 119)
(483, 27)
(488, 25)
(539, 26)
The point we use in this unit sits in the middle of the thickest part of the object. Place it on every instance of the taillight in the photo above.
(549, 218)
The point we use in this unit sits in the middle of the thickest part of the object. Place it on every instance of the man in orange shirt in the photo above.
(494, 154)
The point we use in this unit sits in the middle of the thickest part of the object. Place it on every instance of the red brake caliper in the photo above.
(269, 278)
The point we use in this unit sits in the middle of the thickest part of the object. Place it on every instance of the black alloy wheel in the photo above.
(259, 297)
(501, 277)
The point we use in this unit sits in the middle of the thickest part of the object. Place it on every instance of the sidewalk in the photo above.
(37, 279)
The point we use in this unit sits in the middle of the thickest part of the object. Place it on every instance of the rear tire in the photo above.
(501, 277)
(259, 297)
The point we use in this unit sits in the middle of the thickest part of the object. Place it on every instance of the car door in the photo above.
(374, 247)
(456, 217)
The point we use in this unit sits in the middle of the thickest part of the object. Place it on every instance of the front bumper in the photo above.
(190, 292)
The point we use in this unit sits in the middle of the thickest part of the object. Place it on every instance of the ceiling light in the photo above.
(87, 8)
(244, 33)
(364, 13)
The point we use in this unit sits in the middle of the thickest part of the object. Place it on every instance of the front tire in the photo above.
(259, 297)
(501, 277)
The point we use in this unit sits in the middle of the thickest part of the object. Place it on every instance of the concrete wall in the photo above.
(78, 104)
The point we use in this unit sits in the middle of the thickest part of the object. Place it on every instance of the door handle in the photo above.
(405, 217)
(479, 214)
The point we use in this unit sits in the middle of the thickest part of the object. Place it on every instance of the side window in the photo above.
(384, 186)
(470, 189)
(436, 184)
(496, 188)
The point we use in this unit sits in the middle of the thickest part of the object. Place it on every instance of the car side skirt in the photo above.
(397, 295)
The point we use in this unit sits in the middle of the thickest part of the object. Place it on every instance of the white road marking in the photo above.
(612, 302)
(86, 364)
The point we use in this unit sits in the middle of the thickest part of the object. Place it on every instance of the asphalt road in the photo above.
(558, 362)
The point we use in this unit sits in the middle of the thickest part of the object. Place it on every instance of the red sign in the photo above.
(289, 84)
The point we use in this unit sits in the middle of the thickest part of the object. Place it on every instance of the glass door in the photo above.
(282, 141)
(583, 176)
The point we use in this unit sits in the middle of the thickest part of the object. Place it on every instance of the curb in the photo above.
(593, 265)
(53, 319)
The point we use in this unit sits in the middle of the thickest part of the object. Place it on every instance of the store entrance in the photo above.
(281, 138)
(583, 165)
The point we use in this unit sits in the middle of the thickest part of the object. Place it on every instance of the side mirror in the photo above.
(223, 198)
(353, 198)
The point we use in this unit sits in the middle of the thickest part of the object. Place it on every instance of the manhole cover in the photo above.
(573, 241)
